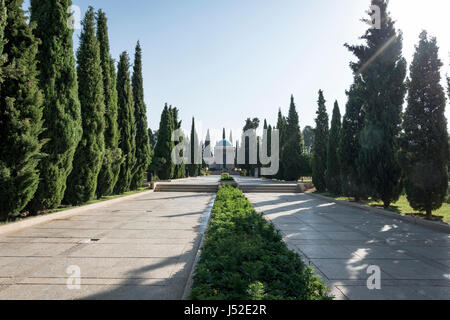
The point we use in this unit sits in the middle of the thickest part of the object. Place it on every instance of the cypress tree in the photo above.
(281, 126)
(193, 168)
(164, 146)
(127, 125)
(382, 70)
(333, 174)
(62, 111)
(350, 144)
(3, 17)
(320, 156)
(425, 145)
(143, 151)
(82, 182)
(308, 137)
(20, 114)
(179, 169)
(293, 150)
(112, 159)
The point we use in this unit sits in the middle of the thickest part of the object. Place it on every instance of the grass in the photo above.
(245, 258)
(61, 208)
(402, 207)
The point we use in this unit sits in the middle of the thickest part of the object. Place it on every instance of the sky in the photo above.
(222, 61)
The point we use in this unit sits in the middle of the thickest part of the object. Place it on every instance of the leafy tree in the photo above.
(112, 159)
(82, 182)
(319, 164)
(143, 151)
(62, 111)
(292, 155)
(425, 146)
(20, 112)
(163, 150)
(382, 71)
(333, 173)
(127, 124)
(350, 144)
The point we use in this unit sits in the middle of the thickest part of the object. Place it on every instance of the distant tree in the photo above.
(333, 173)
(82, 182)
(162, 163)
(153, 138)
(308, 137)
(292, 155)
(179, 169)
(127, 125)
(250, 124)
(350, 143)
(113, 158)
(20, 112)
(425, 141)
(319, 164)
(281, 126)
(382, 70)
(193, 168)
(143, 152)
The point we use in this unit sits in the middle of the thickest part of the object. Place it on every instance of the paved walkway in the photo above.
(137, 249)
(342, 242)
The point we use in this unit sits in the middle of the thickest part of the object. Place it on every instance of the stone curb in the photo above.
(190, 280)
(31, 222)
(430, 224)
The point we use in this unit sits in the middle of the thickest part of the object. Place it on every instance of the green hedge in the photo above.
(244, 258)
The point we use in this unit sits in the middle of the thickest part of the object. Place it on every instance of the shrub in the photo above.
(244, 258)
(226, 177)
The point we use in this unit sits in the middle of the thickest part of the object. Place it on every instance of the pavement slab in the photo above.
(342, 242)
(142, 249)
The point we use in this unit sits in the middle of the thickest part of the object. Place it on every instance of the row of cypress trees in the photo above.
(378, 150)
(162, 165)
(68, 133)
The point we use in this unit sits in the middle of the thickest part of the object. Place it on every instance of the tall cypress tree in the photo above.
(281, 126)
(350, 143)
(382, 70)
(164, 146)
(3, 17)
(193, 168)
(20, 114)
(333, 174)
(143, 152)
(320, 156)
(82, 182)
(425, 145)
(179, 170)
(62, 111)
(127, 125)
(293, 150)
(112, 159)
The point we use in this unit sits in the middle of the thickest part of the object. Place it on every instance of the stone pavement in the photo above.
(341, 243)
(136, 249)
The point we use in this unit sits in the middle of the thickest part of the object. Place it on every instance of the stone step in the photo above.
(186, 188)
(270, 188)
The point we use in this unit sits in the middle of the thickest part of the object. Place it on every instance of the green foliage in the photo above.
(82, 182)
(112, 159)
(193, 168)
(162, 162)
(319, 166)
(127, 125)
(425, 148)
(62, 110)
(382, 71)
(333, 173)
(350, 144)
(244, 257)
(308, 137)
(143, 151)
(282, 128)
(3, 17)
(292, 154)
(179, 170)
(20, 114)
(226, 177)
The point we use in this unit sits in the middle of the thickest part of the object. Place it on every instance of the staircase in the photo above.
(271, 188)
(194, 188)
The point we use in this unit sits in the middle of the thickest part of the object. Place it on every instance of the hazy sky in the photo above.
(223, 61)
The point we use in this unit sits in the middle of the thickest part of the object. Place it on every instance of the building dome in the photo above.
(221, 143)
